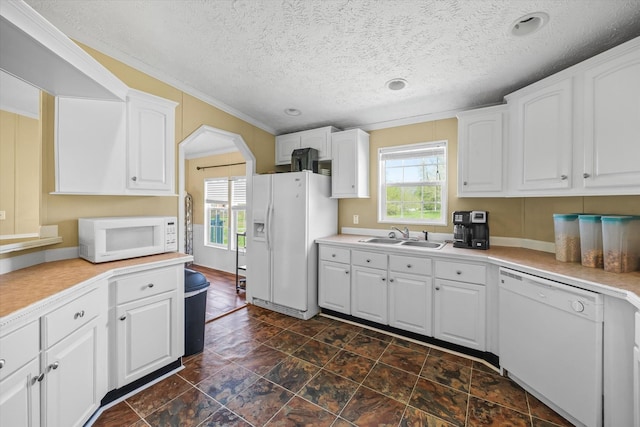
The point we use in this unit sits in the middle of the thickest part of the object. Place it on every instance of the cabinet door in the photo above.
(90, 139)
(75, 370)
(150, 143)
(459, 313)
(410, 302)
(285, 144)
(611, 123)
(334, 287)
(542, 138)
(369, 294)
(350, 165)
(320, 139)
(480, 152)
(20, 397)
(146, 336)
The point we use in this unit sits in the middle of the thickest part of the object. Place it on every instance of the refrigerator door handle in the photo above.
(267, 227)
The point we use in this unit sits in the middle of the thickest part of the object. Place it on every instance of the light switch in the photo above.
(356, 219)
(3, 215)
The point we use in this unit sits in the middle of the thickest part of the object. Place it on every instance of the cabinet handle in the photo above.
(464, 183)
(134, 178)
(78, 314)
(586, 175)
(150, 285)
(458, 272)
(53, 366)
(368, 260)
(408, 265)
(391, 280)
(353, 186)
(37, 379)
(384, 280)
(437, 288)
(563, 177)
(333, 255)
(346, 272)
(123, 317)
(2, 362)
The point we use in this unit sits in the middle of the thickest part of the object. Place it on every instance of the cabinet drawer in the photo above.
(66, 319)
(470, 273)
(332, 253)
(18, 348)
(146, 284)
(369, 259)
(411, 265)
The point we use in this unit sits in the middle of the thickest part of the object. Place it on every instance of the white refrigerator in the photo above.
(289, 211)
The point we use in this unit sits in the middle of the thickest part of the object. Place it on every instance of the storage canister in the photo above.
(567, 234)
(621, 243)
(591, 240)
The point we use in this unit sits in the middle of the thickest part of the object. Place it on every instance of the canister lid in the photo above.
(566, 217)
(590, 218)
(619, 218)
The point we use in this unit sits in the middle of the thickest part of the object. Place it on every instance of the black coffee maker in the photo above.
(471, 229)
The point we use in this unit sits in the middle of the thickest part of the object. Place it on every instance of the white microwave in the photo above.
(115, 238)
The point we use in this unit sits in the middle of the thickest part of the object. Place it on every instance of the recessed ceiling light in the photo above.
(396, 84)
(292, 112)
(529, 23)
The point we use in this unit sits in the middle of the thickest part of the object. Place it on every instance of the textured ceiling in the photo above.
(331, 58)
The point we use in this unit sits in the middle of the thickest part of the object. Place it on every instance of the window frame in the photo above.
(207, 213)
(399, 150)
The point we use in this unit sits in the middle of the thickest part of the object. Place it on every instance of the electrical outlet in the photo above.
(3, 215)
(356, 219)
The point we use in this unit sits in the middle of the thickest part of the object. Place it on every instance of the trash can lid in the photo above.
(194, 280)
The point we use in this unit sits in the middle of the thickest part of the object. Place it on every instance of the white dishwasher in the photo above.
(551, 343)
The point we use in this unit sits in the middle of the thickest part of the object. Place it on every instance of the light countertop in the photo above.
(22, 288)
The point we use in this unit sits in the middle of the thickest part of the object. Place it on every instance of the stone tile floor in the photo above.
(263, 368)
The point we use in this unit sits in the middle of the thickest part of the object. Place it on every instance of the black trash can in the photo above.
(195, 304)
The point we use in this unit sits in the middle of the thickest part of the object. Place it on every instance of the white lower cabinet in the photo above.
(369, 294)
(459, 313)
(410, 294)
(20, 397)
(334, 279)
(57, 365)
(74, 384)
(334, 291)
(148, 322)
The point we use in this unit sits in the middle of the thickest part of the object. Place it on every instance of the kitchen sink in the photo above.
(383, 240)
(403, 242)
(423, 244)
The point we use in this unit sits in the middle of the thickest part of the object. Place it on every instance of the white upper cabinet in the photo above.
(612, 123)
(541, 136)
(350, 165)
(576, 132)
(320, 139)
(115, 148)
(150, 143)
(481, 136)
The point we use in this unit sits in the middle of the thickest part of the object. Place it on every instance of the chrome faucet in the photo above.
(405, 233)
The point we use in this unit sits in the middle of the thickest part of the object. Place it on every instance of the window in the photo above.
(224, 198)
(413, 184)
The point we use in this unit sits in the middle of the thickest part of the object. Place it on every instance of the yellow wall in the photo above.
(195, 178)
(529, 218)
(510, 217)
(191, 113)
(20, 165)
